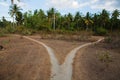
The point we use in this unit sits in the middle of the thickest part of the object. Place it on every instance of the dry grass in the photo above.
(88, 65)
(23, 60)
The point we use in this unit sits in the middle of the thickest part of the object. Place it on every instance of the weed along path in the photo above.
(63, 71)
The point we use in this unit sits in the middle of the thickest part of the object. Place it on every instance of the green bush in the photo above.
(27, 32)
(10, 29)
(101, 31)
(2, 32)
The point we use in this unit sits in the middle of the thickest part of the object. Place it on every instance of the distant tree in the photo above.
(78, 20)
(51, 16)
(4, 22)
(88, 20)
(70, 20)
(19, 18)
(114, 19)
(104, 18)
(96, 21)
(14, 11)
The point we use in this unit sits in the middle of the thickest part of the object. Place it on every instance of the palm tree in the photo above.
(104, 18)
(78, 19)
(88, 20)
(19, 18)
(14, 9)
(114, 19)
(51, 15)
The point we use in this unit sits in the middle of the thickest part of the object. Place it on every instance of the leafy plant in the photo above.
(10, 29)
(100, 31)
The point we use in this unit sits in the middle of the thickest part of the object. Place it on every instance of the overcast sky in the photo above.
(63, 6)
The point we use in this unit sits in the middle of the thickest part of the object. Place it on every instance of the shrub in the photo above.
(100, 31)
(2, 32)
(27, 32)
(20, 28)
(106, 58)
(10, 29)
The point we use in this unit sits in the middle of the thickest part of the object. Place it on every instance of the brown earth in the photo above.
(60, 47)
(23, 60)
(88, 64)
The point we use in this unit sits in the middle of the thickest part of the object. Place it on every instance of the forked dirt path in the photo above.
(64, 71)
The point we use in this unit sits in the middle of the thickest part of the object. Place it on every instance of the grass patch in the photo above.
(105, 58)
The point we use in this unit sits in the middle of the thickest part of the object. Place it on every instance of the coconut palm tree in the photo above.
(114, 19)
(51, 16)
(104, 18)
(14, 10)
(88, 20)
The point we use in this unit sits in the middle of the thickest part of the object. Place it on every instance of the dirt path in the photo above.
(64, 71)
(55, 64)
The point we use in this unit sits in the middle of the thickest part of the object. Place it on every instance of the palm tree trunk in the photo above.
(13, 21)
(53, 21)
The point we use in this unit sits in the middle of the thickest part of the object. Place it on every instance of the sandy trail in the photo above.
(64, 71)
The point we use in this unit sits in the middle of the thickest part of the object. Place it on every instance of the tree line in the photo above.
(53, 20)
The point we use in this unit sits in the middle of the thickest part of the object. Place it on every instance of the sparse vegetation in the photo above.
(105, 57)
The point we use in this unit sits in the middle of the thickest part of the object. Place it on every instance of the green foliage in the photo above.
(100, 31)
(2, 34)
(10, 29)
(29, 22)
(19, 29)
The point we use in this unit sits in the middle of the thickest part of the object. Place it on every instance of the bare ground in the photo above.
(61, 47)
(26, 60)
(23, 60)
(88, 66)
